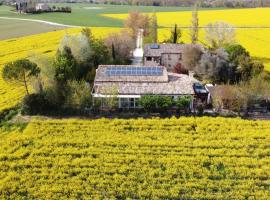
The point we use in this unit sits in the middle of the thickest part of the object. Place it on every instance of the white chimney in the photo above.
(138, 52)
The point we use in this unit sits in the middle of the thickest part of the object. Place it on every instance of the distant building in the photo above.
(168, 55)
(42, 7)
(130, 82)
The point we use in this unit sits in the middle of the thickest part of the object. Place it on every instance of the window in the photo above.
(169, 57)
(124, 103)
(131, 102)
(148, 58)
(180, 56)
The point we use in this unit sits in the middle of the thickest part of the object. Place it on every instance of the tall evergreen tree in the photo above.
(175, 34)
(154, 28)
(195, 25)
(113, 53)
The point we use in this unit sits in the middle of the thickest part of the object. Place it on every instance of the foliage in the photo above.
(175, 35)
(219, 34)
(197, 158)
(110, 102)
(214, 67)
(65, 65)
(191, 56)
(78, 45)
(155, 103)
(136, 21)
(20, 71)
(79, 95)
(35, 104)
(179, 69)
(195, 25)
(123, 44)
(243, 66)
(183, 103)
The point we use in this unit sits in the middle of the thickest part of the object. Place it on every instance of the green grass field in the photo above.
(89, 14)
(17, 28)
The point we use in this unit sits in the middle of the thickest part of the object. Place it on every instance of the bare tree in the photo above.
(136, 21)
(122, 44)
(219, 34)
(191, 56)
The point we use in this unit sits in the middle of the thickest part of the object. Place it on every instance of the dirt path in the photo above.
(41, 21)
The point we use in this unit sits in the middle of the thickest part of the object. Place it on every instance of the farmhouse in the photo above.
(168, 55)
(42, 7)
(129, 82)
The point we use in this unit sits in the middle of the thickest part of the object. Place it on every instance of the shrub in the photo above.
(182, 103)
(148, 103)
(34, 104)
(154, 103)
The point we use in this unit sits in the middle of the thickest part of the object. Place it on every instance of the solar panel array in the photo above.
(134, 71)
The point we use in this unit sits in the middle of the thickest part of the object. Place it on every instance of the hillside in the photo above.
(187, 158)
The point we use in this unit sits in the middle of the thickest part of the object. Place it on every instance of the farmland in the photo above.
(236, 17)
(45, 44)
(16, 28)
(254, 39)
(91, 14)
(187, 158)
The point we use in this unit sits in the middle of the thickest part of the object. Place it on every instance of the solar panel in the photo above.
(134, 71)
(154, 46)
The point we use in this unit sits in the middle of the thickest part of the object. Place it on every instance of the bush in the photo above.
(34, 104)
(183, 103)
(154, 103)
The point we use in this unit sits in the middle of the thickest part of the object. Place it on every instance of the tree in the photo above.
(123, 45)
(179, 69)
(183, 103)
(154, 28)
(243, 66)
(80, 96)
(195, 25)
(78, 45)
(46, 77)
(65, 65)
(21, 71)
(219, 34)
(136, 21)
(191, 56)
(113, 53)
(214, 66)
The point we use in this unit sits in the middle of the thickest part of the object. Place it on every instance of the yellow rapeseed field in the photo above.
(45, 43)
(256, 17)
(255, 39)
(186, 158)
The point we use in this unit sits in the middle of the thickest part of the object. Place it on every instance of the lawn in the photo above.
(17, 28)
(186, 158)
(89, 14)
